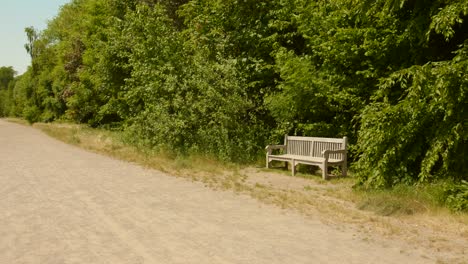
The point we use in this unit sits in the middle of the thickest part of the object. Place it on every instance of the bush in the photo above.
(3, 104)
(457, 196)
(416, 134)
(207, 112)
(31, 114)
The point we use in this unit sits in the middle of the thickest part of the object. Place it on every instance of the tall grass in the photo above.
(403, 199)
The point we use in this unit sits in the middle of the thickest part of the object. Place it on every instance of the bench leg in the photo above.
(267, 162)
(293, 167)
(344, 169)
(325, 171)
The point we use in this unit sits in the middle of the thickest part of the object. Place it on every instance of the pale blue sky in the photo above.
(15, 16)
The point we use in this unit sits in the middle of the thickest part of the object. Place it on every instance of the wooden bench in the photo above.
(322, 152)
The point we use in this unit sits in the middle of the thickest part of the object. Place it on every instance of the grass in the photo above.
(403, 199)
(17, 121)
(112, 143)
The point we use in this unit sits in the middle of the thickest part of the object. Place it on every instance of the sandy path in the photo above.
(60, 204)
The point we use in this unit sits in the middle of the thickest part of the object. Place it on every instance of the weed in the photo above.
(402, 199)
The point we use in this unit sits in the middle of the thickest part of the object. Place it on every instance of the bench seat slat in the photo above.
(299, 158)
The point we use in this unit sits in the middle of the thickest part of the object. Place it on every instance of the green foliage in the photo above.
(32, 114)
(238, 30)
(7, 81)
(457, 196)
(426, 126)
(7, 75)
(329, 67)
(415, 128)
(183, 100)
(22, 92)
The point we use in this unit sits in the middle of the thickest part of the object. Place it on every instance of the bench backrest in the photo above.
(313, 146)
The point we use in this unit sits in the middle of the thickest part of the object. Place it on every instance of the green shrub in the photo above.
(32, 114)
(414, 130)
(457, 196)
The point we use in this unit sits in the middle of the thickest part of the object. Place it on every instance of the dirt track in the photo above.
(60, 204)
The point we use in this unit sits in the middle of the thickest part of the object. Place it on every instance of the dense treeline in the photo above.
(223, 78)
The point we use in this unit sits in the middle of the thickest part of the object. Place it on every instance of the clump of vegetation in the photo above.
(402, 199)
(7, 83)
(31, 114)
(457, 196)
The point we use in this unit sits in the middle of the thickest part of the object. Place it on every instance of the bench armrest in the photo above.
(326, 153)
(269, 148)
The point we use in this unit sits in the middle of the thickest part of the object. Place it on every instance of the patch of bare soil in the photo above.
(442, 237)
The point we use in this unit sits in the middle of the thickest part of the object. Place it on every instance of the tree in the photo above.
(7, 80)
(415, 128)
(7, 75)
